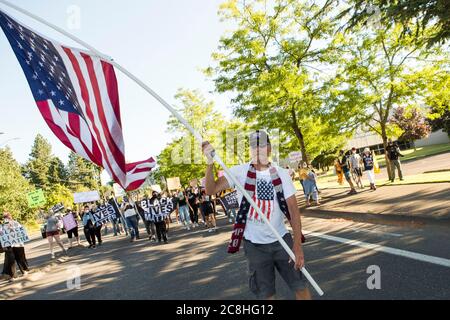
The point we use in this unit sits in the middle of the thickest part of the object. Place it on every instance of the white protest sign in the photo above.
(295, 156)
(83, 197)
(157, 188)
(11, 235)
(118, 190)
(69, 222)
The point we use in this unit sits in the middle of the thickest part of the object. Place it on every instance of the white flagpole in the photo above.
(197, 136)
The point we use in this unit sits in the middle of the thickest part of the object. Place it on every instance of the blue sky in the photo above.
(165, 43)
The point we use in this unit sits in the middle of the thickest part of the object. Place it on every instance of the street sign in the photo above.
(36, 199)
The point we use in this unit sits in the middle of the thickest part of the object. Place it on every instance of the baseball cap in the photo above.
(259, 138)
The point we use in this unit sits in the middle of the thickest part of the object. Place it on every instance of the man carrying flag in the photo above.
(77, 94)
(272, 189)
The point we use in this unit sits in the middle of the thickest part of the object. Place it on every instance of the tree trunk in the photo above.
(299, 135)
(385, 143)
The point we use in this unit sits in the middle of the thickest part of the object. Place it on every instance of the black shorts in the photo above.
(263, 259)
(73, 232)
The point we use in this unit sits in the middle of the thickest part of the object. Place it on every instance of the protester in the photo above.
(355, 166)
(274, 191)
(184, 210)
(367, 159)
(193, 201)
(88, 227)
(131, 219)
(175, 206)
(53, 227)
(74, 231)
(159, 220)
(149, 224)
(346, 169)
(207, 209)
(393, 152)
(15, 253)
(98, 230)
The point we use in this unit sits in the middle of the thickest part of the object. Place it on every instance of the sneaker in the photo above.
(210, 230)
(25, 273)
(93, 246)
(188, 229)
(230, 220)
(53, 256)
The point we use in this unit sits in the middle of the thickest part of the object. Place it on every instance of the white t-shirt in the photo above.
(129, 213)
(256, 230)
(355, 160)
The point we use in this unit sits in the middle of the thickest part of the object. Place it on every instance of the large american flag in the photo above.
(77, 94)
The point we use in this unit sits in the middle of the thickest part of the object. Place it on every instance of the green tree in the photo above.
(13, 188)
(388, 70)
(83, 174)
(57, 172)
(58, 193)
(431, 18)
(37, 167)
(271, 62)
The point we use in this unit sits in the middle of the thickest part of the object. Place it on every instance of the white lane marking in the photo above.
(376, 247)
(379, 232)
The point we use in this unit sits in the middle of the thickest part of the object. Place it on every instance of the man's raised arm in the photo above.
(212, 186)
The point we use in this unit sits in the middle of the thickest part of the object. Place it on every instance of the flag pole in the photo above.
(175, 113)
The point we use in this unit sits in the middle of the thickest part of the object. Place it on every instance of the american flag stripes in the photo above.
(77, 94)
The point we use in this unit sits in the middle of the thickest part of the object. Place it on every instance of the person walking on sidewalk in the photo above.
(273, 190)
(356, 167)
(393, 153)
(367, 159)
(53, 228)
(346, 169)
(15, 253)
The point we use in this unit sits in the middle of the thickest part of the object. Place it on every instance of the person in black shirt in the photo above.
(368, 162)
(193, 199)
(393, 152)
(343, 161)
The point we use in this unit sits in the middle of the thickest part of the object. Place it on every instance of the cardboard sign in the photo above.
(57, 207)
(157, 188)
(103, 214)
(36, 199)
(193, 183)
(83, 197)
(230, 201)
(69, 222)
(173, 184)
(11, 235)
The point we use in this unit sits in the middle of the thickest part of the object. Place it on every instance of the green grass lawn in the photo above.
(433, 177)
(420, 152)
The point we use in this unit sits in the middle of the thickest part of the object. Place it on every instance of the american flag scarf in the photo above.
(250, 187)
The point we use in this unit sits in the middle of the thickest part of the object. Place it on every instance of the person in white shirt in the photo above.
(130, 215)
(356, 167)
(274, 192)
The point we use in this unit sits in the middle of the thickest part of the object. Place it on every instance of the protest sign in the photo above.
(57, 207)
(83, 197)
(157, 211)
(103, 214)
(36, 199)
(69, 222)
(157, 188)
(173, 183)
(230, 201)
(118, 190)
(11, 235)
(295, 156)
(193, 183)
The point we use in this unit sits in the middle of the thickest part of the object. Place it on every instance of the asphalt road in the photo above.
(414, 262)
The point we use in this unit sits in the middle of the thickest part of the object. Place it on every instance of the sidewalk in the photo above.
(431, 201)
